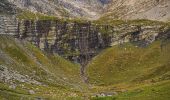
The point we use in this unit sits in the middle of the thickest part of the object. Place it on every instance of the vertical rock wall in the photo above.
(76, 41)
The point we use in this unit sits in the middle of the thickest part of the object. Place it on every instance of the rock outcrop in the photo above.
(74, 40)
(7, 8)
(8, 24)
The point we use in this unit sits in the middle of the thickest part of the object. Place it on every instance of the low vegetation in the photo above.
(130, 63)
(127, 70)
(48, 76)
(27, 15)
(156, 91)
(134, 72)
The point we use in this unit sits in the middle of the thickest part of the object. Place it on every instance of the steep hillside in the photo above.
(130, 72)
(25, 71)
(139, 9)
(130, 63)
(120, 72)
(62, 8)
(94, 9)
(84, 8)
(41, 6)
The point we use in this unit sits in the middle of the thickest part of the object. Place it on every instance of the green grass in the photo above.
(61, 77)
(32, 57)
(135, 73)
(157, 91)
(47, 92)
(117, 22)
(128, 63)
(13, 94)
(57, 65)
(142, 22)
(27, 15)
(104, 98)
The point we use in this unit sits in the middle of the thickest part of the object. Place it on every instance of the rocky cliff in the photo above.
(73, 40)
(80, 41)
(7, 8)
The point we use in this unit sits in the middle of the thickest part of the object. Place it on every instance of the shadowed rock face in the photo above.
(105, 1)
(74, 40)
(6, 7)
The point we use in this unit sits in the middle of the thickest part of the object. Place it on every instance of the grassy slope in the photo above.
(129, 63)
(124, 67)
(61, 76)
(27, 15)
(127, 67)
(157, 91)
(144, 22)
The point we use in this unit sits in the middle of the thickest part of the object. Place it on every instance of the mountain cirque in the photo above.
(114, 59)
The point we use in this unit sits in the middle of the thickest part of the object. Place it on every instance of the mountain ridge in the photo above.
(139, 9)
(60, 8)
(95, 9)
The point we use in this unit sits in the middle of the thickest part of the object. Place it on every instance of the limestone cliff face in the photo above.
(6, 7)
(73, 40)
